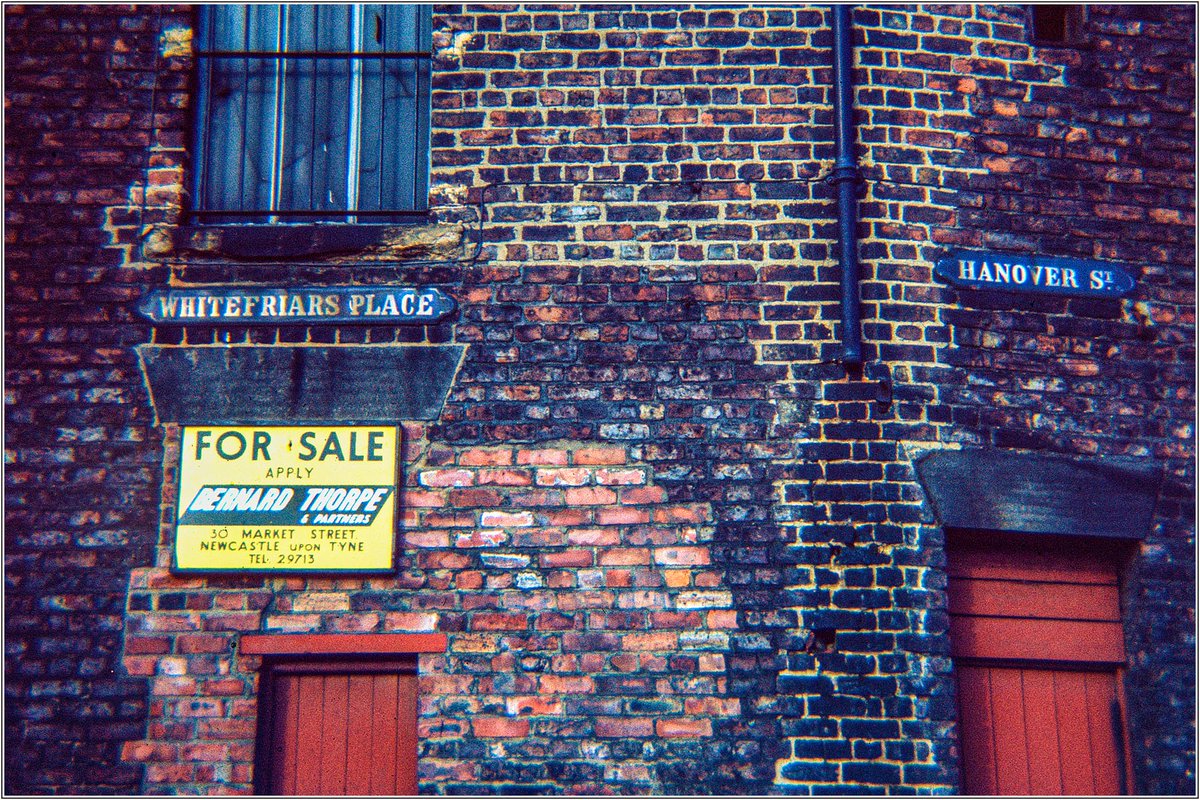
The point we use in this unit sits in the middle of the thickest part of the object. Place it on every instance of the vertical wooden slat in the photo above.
(1012, 773)
(308, 737)
(358, 739)
(333, 735)
(406, 739)
(1105, 763)
(285, 716)
(1074, 739)
(1126, 754)
(1041, 732)
(975, 729)
(384, 727)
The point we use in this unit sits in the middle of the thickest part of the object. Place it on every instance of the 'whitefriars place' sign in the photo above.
(394, 305)
(287, 499)
(1040, 274)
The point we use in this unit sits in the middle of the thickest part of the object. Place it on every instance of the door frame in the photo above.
(1119, 553)
(325, 654)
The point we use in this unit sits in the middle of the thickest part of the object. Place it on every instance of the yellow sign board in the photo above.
(287, 499)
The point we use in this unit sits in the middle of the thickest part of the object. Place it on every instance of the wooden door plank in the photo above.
(358, 734)
(1021, 564)
(1125, 747)
(1100, 695)
(310, 689)
(333, 734)
(385, 724)
(285, 717)
(1036, 639)
(1075, 744)
(1041, 732)
(976, 731)
(406, 739)
(1012, 772)
(1035, 599)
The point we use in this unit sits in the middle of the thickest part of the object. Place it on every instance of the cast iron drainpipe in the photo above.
(845, 177)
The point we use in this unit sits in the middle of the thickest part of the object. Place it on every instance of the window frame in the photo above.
(1073, 20)
(412, 207)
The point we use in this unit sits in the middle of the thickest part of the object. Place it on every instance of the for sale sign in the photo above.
(287, 499)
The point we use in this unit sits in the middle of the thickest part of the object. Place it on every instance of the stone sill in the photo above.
(419, 241)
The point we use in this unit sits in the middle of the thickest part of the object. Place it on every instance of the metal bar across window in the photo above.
(268, 54)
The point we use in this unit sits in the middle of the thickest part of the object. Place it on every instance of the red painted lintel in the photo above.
(297, 644)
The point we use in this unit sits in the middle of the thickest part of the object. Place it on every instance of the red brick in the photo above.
(658, 641)
(480, 539)
(718, 620)
(474, 498)
(620, 477)
(682, 556)
(568, 517)
(566, 684)
(226, 728)
(566, 476)
(591, 496)
(248, 621)
(547, 458)
(173, 686)
(149, 751)
(141, 666)
(499, 727)
(676, 619)
(568, 558)
(138, 645)
(499, 622)
(593, 537)
(645, 495)
(536, 706)
(630, 556)
(683, 728)
(503, 477)
(713, 706)
(204, 752)
(441, 478)
(169, 773)
(623, 727)
(506, 519)
(499, 457)
(419, 498)
(692, 513)
(225, 686)
(618, 579)
(622, 516)
(203, 644)
(598, 456)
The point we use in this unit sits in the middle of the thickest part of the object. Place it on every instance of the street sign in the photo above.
(969, 269)
(306, 305)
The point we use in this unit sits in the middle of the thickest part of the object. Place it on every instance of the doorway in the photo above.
(338, 727)
(1039, 654)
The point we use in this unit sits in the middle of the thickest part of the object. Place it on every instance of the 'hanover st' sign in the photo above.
(970, 269)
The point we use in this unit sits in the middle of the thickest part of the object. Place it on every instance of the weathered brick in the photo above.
(652, 318)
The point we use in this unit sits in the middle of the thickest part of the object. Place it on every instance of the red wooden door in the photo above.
(1038, 649)
(337, 729)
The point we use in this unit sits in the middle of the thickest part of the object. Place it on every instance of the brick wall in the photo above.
(672, 542)
(81, 458)
(582, 608)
